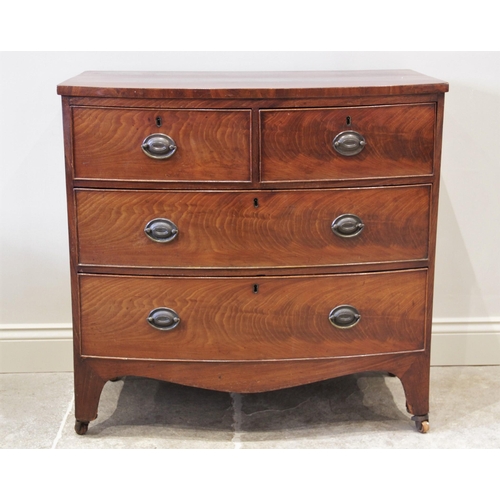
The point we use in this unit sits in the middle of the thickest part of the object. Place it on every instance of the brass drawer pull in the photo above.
(344, 316)
(159, 146)
(347, 225)
(163, 318)
(349, 143)
(161, 230)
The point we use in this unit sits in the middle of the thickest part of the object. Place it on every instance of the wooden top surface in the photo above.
(260, 84)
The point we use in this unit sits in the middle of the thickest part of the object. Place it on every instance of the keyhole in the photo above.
(158, 121)
(348, 121)
(256, 289)
(256, 202)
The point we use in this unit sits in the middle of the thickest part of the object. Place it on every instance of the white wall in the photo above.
(34, 264)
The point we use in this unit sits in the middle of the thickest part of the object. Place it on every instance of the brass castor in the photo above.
(81, 427)
(421, 423)
(424, 427)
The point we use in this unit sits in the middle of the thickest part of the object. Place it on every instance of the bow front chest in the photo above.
(247, 232)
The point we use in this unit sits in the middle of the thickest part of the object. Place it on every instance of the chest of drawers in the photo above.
(247, 232)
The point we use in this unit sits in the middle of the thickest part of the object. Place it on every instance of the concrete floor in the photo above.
(358, 411)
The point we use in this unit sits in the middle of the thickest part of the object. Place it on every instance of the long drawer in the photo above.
(253, 228)
(208, 145)
(252, 318)
(347, 143)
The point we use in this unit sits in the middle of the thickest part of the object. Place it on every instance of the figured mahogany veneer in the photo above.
(226, 229)
(254, 276)
(213, 145)
(249, 84)
(224, 319)
(297, 143)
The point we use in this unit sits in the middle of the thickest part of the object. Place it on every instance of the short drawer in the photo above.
(253, 229)
(208, 145)
(252, 318)
(347, 143)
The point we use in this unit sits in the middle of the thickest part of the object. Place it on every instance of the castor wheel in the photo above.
(421, 423)
(423, 427)
(81, 427)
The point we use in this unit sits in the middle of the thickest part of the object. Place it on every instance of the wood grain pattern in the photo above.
(226, 230)
(297, 144)
(223, 319)
(241, 84)
(261, 376)
(252, 271)
(243, 103)
(251, 377)
(218, 185)
(264, 135)
(213, 145)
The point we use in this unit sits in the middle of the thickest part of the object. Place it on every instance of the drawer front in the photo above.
(211, 145)
(253, 229)
(224, 319)
(298, 144)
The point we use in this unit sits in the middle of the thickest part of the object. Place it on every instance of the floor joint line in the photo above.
(237, 416)
(63, 423)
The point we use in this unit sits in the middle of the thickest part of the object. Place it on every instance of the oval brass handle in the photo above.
(161, 230)
(344, 316)
(349, 143)
(347, 225)
(163, 318)
(159, 146)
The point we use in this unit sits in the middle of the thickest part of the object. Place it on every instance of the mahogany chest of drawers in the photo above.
(247, 232)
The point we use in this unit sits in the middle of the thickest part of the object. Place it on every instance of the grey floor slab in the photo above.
(368, 411)
(142, 413)
(32, 408)
(359, 411)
